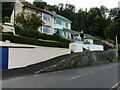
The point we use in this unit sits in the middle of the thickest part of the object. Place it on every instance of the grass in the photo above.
(51, 41)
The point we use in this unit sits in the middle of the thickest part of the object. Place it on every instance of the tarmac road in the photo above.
(99, 76)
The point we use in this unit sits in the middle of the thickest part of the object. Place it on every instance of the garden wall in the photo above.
(17, 57)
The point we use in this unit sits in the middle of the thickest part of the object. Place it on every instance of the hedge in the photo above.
(24, 40)
(37, 35)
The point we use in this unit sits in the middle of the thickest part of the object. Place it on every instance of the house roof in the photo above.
(75, 32)
(36, 8)
(56, 15)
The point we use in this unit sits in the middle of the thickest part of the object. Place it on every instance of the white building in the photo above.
(54, 23)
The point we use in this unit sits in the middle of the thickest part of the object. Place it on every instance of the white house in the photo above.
(61, 25)
(28, 8)
(54, 23)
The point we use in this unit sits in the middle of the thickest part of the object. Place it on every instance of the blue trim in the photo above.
(4, 60)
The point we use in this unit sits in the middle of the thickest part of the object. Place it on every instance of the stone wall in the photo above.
(81, 59)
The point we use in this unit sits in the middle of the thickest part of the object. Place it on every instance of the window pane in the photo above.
(58, 21)
(46, 17)
(46, 29)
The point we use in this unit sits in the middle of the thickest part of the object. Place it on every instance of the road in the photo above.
(99, 76)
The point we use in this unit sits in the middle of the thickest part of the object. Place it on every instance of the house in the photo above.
(54, 23)
(61, 25)
(28, 8)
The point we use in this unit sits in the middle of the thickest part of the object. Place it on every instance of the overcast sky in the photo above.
(84, 3)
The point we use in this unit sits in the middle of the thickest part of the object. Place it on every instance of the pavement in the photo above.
(99, 76)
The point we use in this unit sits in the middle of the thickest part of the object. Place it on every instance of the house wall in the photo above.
(18, 8)
(61, 27)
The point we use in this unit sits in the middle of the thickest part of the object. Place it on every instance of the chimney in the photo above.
(46, 8)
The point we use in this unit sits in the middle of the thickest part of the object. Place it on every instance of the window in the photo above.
(67, 25)
(46, 17)
(58, 21)
(46, 29)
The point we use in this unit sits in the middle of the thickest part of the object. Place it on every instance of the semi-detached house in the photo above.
(54, 23)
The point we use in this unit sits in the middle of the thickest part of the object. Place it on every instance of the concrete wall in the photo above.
(22, 57)
(77, 47)
(7, 28)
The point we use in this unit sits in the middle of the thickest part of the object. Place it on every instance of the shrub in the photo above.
(59, 38)
(26, 33)
(37, 35)
(24, 40)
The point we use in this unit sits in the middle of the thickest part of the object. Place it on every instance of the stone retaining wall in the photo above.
(81, 59)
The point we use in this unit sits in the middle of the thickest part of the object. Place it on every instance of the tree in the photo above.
(7, 8)
(40, 4)
(27, 21)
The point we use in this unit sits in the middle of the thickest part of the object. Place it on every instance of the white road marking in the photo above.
(80, 76)
(115, 85)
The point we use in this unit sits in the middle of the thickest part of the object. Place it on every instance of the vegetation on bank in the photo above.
(70, 65)
(26, 40)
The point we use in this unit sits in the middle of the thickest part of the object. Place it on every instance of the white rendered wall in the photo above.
(22, 57)
(76, 47)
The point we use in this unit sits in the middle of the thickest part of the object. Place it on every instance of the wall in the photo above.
(77, 47)
(7, 28)
(80, 60)
(18, 9)
(22, 57)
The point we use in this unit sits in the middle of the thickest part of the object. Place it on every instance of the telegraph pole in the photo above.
(117, 47)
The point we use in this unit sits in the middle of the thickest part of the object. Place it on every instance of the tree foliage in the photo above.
(7, 8)
(27, 21)
(40, 4)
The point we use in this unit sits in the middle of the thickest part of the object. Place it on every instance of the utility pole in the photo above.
(116, 47)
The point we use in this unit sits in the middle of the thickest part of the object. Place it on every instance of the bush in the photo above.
(26, 33)
(23, 40)
(59, 38)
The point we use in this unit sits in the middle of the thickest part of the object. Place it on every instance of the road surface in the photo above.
(99, 76)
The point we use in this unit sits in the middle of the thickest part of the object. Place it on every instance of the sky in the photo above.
(84, 3)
